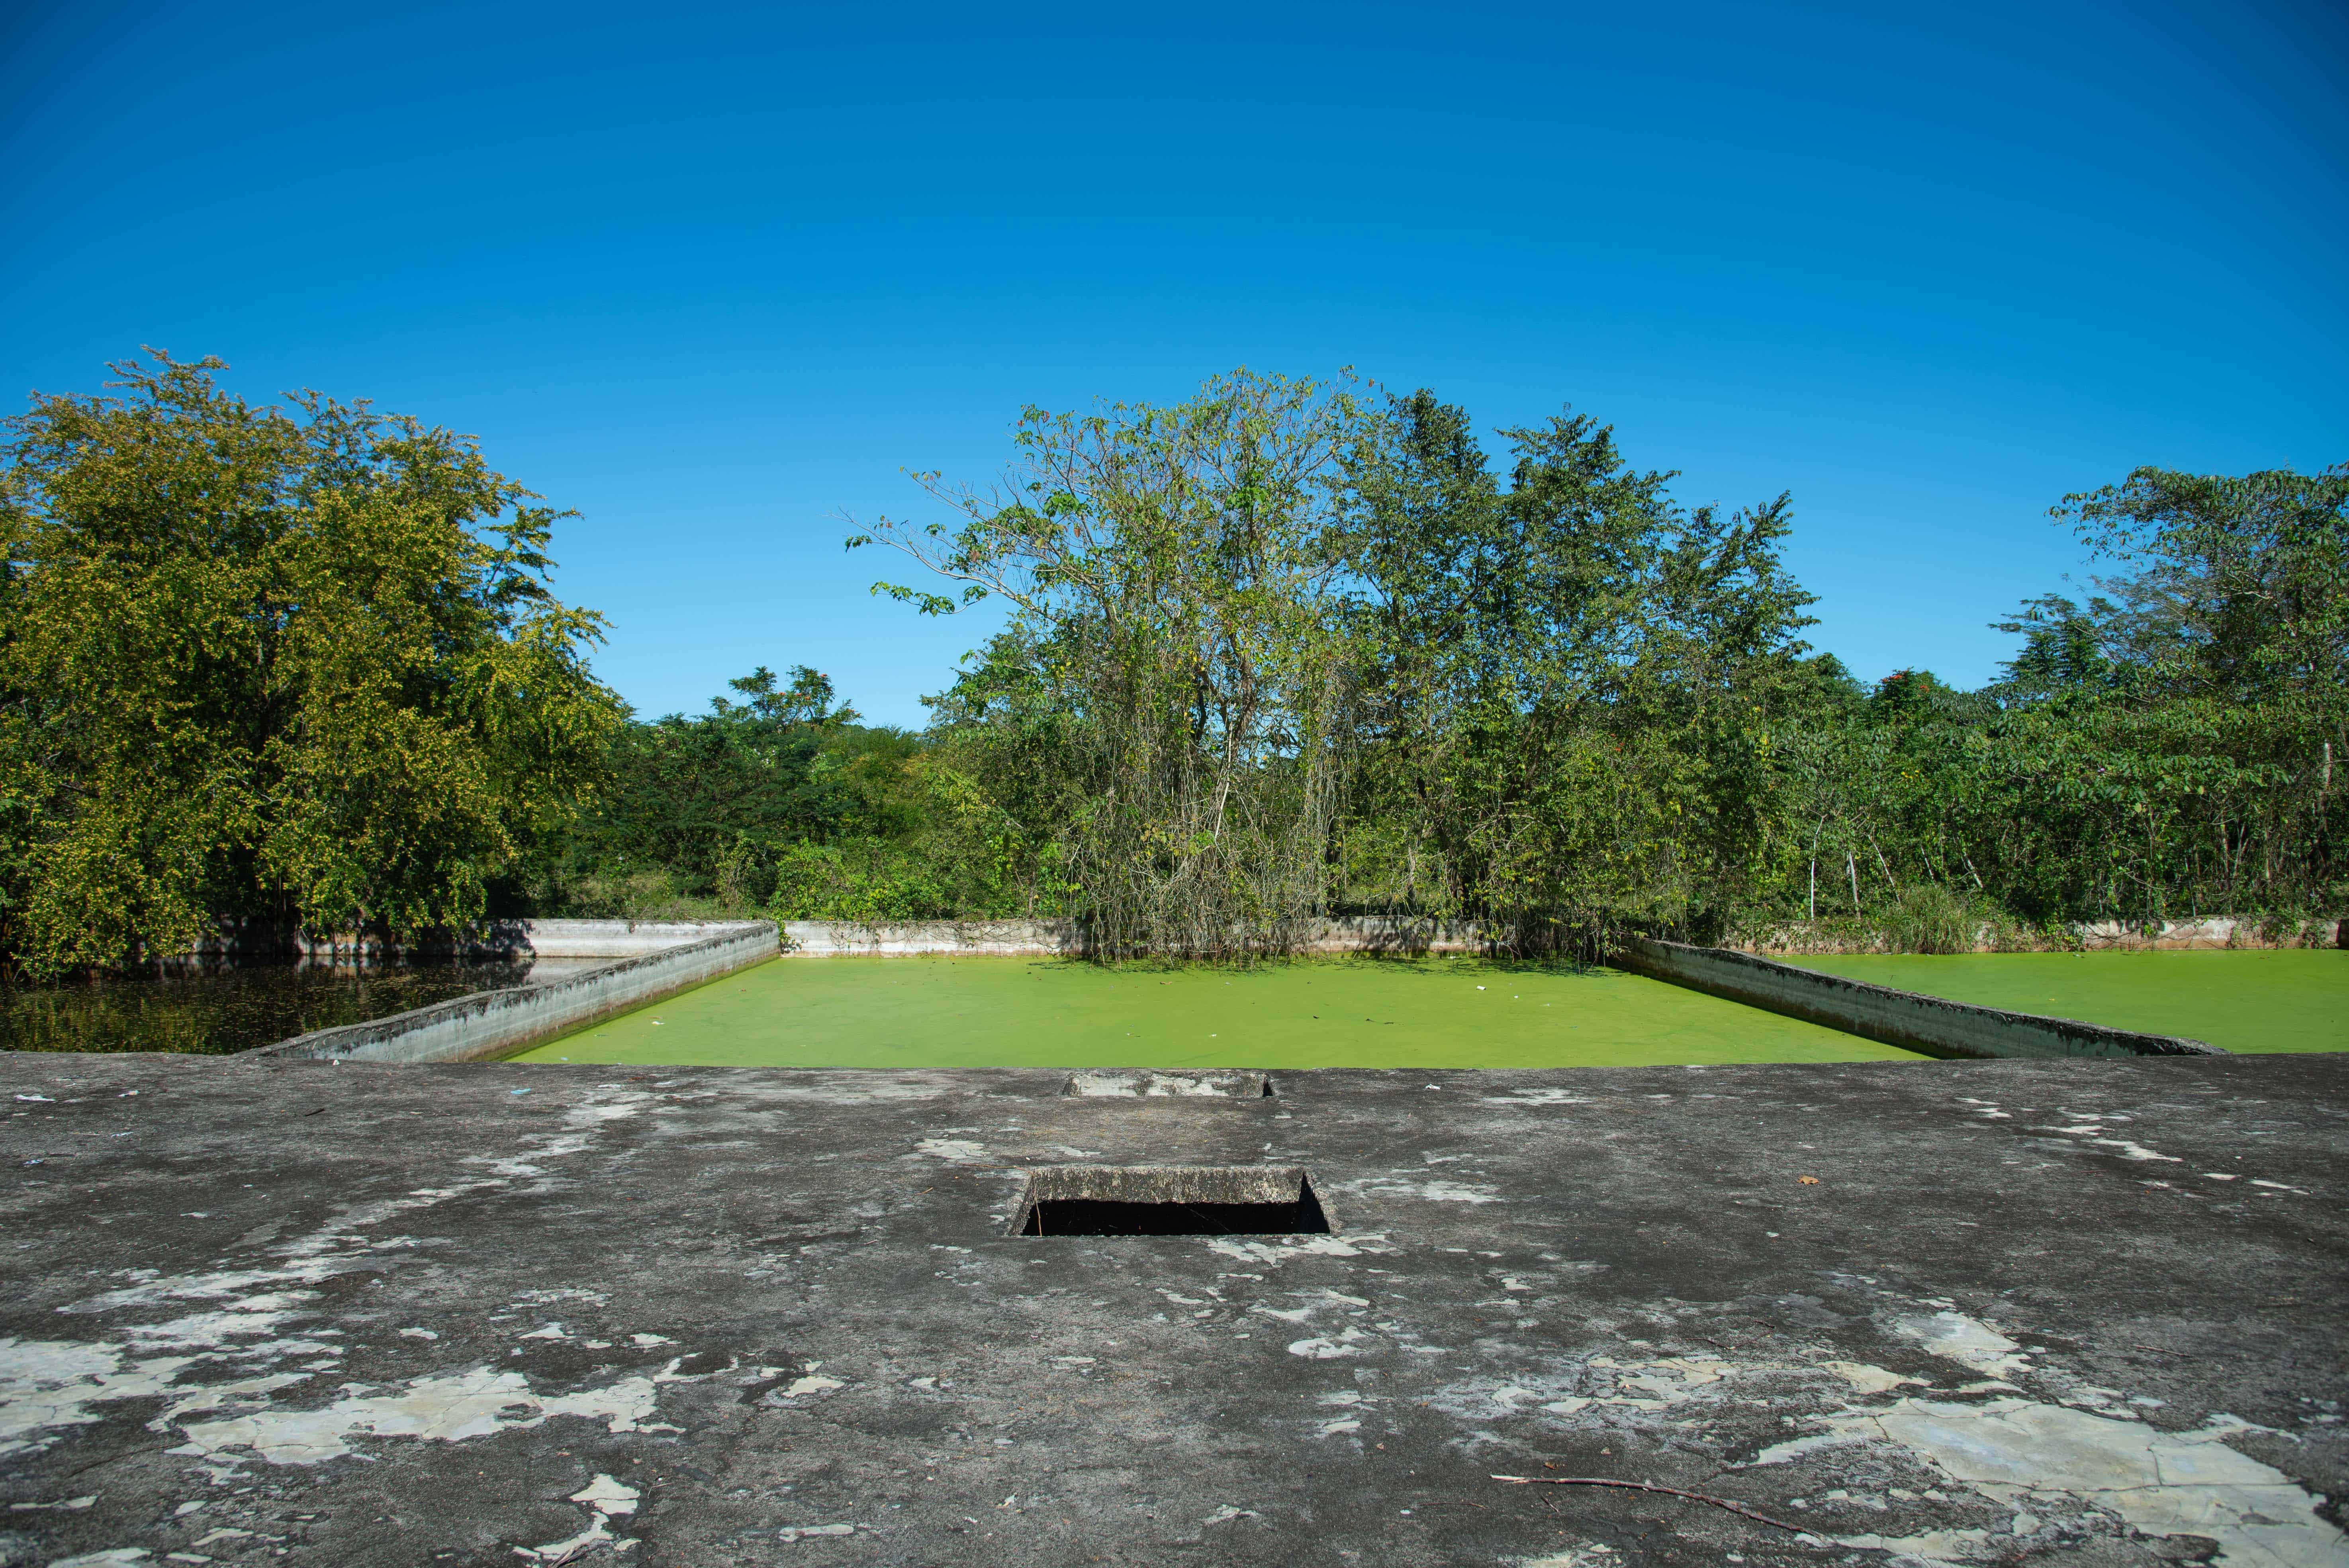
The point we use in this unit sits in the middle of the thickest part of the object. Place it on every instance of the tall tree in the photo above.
(298, 665)
(1576, 676)
(1179, 668)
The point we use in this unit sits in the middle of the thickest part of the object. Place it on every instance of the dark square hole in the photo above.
(1171, 1200)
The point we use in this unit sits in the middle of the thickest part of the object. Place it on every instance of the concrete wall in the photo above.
(1928, 1024)
(490, 1024)
(508, 939)
(2218, 931)
(1371, 933)
(834, 938)
(1359, 934)
(617, 938)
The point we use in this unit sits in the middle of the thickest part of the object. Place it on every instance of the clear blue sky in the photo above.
(714, 275)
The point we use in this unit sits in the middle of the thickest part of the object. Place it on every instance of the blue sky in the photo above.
(713, 276)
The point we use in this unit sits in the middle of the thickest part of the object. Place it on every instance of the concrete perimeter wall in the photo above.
(2217, 930)
(497, 1023)
(510, 940)
(1373, 934)
(1359, 934)
(1928, 1024)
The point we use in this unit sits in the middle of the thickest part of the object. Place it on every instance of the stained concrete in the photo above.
(1344, 934)
(2077, 1312)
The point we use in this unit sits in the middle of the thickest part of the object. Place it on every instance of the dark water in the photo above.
(232, 1008)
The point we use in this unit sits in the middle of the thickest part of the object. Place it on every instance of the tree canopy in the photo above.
(294, 664)
(1285, 650)
(1278, 651)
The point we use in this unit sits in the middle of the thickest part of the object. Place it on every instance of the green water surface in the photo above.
(1357, 1013)
(2291, 999)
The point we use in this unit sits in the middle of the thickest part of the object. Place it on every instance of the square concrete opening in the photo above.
(1170, 1201)
(1141, 1083)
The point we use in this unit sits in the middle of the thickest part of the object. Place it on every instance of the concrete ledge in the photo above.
(1930, 1025)
(489, 1023)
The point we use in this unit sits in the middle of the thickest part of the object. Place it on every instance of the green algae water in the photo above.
(2291, 999)
(213, 1009)
(943, 1011)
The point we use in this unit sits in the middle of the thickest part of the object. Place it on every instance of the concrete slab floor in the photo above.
(2065, 1312)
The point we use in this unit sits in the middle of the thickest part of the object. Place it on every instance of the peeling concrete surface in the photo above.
(2077, 1312)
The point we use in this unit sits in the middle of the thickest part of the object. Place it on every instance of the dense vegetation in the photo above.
(263, 665)
(1279, 652)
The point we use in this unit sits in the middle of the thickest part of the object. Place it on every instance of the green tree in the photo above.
(2174, 739)
(293, 665)
(698, 802)
(1177, 680)
(1577, 679)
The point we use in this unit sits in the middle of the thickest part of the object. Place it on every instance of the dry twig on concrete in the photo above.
(1737, 1508)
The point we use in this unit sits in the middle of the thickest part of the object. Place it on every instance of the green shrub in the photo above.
(1928, 917)
(869, 884)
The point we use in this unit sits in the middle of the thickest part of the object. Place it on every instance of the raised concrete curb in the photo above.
(1930, 1025)
(489, 1023)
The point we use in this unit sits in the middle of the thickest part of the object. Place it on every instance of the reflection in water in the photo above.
(231, 1007)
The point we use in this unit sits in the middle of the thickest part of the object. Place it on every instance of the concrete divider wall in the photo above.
(496, 1023)
(615, 938)
(1930, 1025)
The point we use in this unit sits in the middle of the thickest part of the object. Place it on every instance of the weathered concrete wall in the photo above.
(496, 1023)
(1357, 934)
(1931, 1024)
(1368, 933)
(2218, 931)
(518, 939)
(617, 938)
(831, 938)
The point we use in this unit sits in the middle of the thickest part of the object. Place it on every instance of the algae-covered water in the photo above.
(1352, 1013)
(2290, 999)
(222, 1007)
